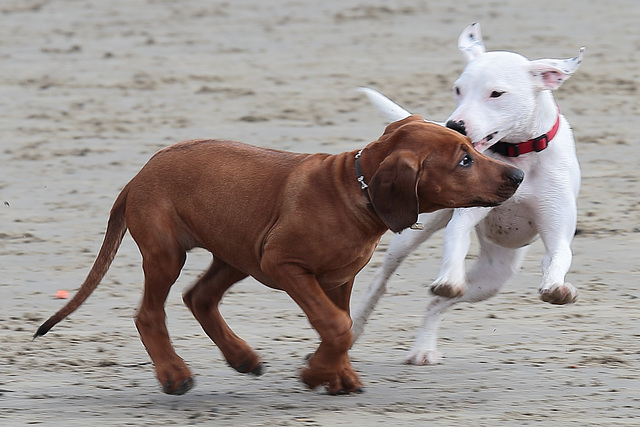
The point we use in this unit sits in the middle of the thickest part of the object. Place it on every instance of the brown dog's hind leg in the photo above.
(203, 299)
(161, 269)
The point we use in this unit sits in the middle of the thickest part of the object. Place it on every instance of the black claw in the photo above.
(245, 368)
(185, 386)
(343, 392)
(258, 370)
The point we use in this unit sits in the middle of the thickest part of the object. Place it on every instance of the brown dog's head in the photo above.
(422, 167)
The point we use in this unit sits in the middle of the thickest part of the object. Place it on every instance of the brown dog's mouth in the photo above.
(487, 203)
(503, 193)
(506, 191)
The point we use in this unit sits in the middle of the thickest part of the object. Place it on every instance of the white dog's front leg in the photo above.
(557, 237)
(451, 281)
(555, 266)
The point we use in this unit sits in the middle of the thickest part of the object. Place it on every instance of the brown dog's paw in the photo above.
(345, 381)
(447, 290)
(175, 377)
(180, 388)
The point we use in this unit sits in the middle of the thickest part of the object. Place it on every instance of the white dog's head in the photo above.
(498, 93)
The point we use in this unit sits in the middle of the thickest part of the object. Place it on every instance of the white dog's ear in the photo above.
(470, 42)
(551, 73)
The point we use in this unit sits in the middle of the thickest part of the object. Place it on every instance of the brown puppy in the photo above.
(302, 223)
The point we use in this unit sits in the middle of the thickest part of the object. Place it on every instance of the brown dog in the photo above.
(302, 223)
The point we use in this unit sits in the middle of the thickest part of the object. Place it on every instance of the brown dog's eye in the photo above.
(497, 93)
(466, 161)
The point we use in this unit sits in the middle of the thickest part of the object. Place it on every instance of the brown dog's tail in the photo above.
(116, 228)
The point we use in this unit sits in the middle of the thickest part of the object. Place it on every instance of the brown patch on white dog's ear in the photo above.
(394, 191)
(392, 127)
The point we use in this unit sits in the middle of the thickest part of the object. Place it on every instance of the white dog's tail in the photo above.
(389, 109)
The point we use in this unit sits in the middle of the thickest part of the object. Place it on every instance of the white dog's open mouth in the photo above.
(486, 142)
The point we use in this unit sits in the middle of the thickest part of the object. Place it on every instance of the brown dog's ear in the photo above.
(391, 127)
(394, 191)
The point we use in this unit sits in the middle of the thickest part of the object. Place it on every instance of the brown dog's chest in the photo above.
(333, 261)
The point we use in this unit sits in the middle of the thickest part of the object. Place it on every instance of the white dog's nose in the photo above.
(458, 126)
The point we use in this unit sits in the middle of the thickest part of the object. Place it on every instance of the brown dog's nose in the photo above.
(516, 176)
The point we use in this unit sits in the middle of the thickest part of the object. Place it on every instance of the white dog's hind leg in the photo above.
(494, 267)
(425, 346)
(400, 247)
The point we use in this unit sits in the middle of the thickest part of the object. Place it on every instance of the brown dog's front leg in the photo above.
(330, 364)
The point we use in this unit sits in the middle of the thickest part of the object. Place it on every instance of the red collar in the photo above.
(536, 144)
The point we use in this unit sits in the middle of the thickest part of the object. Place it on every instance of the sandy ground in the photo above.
(90, 89)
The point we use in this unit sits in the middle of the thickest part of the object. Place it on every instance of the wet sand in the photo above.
(89, 90)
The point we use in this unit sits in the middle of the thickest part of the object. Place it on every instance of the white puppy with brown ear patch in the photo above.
(505, 105)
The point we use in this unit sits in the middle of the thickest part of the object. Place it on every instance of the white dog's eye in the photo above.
(497, 93)
(456, 89)
(466, 161)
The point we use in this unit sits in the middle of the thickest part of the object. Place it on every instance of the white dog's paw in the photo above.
(447, 290)
(559, 294)
(423, 357)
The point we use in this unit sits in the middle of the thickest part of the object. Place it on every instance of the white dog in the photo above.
(505, 105)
